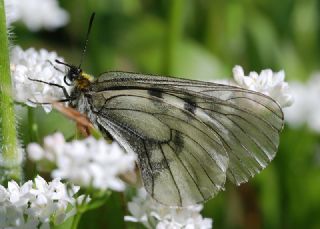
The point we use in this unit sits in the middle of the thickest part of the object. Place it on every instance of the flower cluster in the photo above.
(36, 14)
(36, 203)
(154, 215)
(88, 162)
(267, 82)
(304, 109)
(32, 64)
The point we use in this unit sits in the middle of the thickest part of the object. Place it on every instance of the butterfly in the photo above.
(190, 136)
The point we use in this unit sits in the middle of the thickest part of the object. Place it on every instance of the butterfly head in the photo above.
(76, 77)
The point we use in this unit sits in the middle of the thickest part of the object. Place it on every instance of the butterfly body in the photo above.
(190, 136)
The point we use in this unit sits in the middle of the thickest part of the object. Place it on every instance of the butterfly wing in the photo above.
(189, 135)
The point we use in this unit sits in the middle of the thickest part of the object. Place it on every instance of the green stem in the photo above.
(175, 29)
(76, 220)
(10, 159)
(32, 126)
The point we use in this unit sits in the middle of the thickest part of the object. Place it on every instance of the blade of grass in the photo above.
(10, 160)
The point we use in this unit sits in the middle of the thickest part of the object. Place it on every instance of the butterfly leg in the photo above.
(55, 85)
(50, 103)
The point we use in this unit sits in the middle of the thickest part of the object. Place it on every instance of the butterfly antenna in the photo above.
(60, 62)
(87, 38)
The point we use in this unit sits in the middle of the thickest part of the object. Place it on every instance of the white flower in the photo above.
(140, 207)
(4, 194)
(11, 11)
(88, 162)
(152, 214)
(305, 108)
(97, 164)
(36, 14)
(267, 82)
(35, 65)
(50, 198)
(19, 196)
(36, 204)
(52, 147)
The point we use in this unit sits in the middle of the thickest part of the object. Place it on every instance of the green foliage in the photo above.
(213, 36)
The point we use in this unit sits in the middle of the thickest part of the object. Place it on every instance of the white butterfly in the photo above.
(190, 136)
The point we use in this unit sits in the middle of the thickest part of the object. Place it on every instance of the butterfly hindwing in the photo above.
(189, 135)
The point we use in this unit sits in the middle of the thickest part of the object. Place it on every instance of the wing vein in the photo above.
(184, 166)
(242, 97)
(171, 174)
(198, 159)
(268, 138)
(149, 163)
(233, 106)
(184, 111)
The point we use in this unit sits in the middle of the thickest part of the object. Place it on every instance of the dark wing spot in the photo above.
(190, 105)
(155, 92)
(158, 167)
(178, 142)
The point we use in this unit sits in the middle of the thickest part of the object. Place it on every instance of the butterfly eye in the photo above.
(73, 74)
(66, 79)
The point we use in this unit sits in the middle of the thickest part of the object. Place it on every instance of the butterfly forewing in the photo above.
(189, 135)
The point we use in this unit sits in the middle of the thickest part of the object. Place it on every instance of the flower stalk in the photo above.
(9, 158)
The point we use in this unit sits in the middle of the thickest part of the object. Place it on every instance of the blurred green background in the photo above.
(203, 39)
